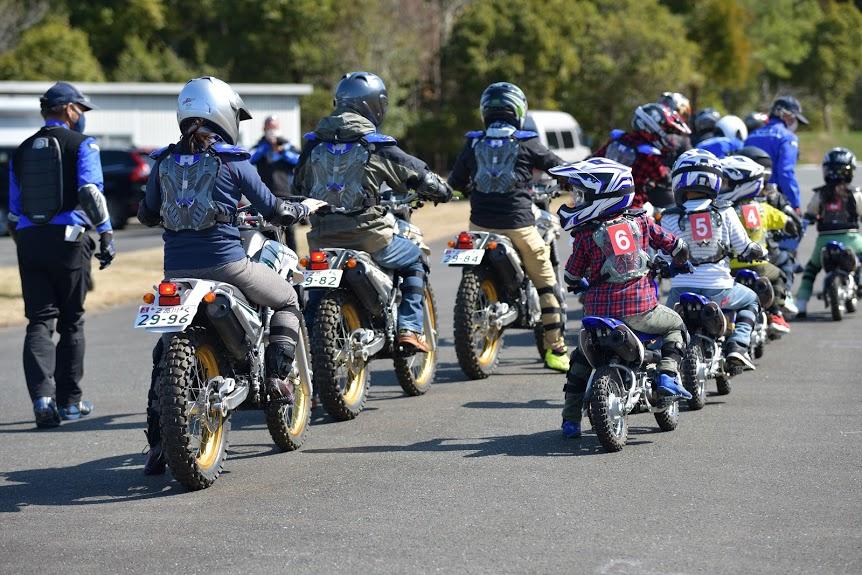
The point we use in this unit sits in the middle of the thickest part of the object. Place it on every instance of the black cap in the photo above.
(63, 93)
(789, 104)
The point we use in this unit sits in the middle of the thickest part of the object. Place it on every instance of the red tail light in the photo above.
(141, 171)
(169, 300)
(318, 261)
(465, 241)
(168, 288)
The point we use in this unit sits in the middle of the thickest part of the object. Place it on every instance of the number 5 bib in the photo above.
(701, 226)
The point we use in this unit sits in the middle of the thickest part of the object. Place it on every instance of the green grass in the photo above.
(813, 145)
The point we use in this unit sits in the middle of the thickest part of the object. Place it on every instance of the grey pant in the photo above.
(263, 286)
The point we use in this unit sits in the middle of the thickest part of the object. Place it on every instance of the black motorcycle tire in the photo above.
(341, 404)
(188, 353)
(605, 382)
(668, 419)
(416, 384)
(288, 424)
(481, 364)
(722, 384)
(692, 359)
(835, 302)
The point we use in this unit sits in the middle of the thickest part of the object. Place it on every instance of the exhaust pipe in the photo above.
(226, 324)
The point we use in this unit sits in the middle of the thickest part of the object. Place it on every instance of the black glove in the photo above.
(576, 286)
(434, 189)
(791, 228)
(106, 250)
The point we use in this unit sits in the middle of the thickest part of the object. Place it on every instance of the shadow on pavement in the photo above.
(91, 423)
(108, 480)
(542, 444)
(532, 404)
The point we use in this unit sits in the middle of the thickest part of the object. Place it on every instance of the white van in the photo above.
(560, 132)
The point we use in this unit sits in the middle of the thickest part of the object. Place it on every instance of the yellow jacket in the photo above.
(758, 218)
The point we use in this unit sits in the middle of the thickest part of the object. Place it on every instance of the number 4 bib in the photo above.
(751, 216)
(701, 226)
(622, 239)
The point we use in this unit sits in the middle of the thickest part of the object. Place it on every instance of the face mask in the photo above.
(80, 124)
(792, 124)
(270, 134)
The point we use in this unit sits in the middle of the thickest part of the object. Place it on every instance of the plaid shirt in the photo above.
(617, 300)
(646, 170)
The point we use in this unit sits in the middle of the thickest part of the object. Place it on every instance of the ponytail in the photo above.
(197, 137)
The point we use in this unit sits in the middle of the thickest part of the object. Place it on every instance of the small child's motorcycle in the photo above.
(840, 287)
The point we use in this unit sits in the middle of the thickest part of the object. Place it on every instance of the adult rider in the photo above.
(207, 169)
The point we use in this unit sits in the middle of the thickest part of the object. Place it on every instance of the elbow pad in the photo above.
(93, 203)
(753, 252)
(434, 189)
(679, 252)
(148, 218)
(287, 213)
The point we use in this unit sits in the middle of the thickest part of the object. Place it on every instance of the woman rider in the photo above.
(201, 240)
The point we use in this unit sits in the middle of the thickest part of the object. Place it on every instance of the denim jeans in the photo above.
(739, 298)
(403, 255)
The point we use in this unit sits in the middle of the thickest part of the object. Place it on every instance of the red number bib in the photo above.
(701, 226)
(622, 239)
(751, 216)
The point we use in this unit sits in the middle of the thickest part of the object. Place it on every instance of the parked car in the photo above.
(126, 172)
(560, 132)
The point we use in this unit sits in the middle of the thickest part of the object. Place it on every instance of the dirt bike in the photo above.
(495, 292)
(356, 320)
(841, 285)
(213, 361)
(624, 376)
(760, 334)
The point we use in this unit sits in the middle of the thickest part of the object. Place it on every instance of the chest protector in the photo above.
(839, 213)
(187, 183)
(40, 174)
(338, 173)
(621, 267)
(495, 164)
(709, 251)
(754, 225)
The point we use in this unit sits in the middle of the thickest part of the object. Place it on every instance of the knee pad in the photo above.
(672, 350)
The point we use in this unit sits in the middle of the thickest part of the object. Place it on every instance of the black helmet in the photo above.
(755, 120)
(503, 102)
(788, 105)
(838, 166)
(758, 155)
(63, 93)
(363, 93)
(705, 120)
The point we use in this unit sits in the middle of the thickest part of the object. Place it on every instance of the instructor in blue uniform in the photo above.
(55, 197)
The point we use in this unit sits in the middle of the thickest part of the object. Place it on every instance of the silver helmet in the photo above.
(214, 101)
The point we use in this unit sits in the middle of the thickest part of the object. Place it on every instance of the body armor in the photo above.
(187, 183)
(756, 233)
(709, 251)
(338, 173)
(623, 267)
(495, 164)
(837, 214)
(40, 166)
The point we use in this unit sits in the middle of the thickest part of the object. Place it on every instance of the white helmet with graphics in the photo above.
(696, 170)
(732, 127)
(602, 187)
(743, 178)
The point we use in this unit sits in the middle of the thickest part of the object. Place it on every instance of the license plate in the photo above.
(322, 278)
(158, 316)
(454, 257)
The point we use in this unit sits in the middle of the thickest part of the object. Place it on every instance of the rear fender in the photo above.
(191, 292)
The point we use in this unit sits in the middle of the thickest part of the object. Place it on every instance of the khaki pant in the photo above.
(536, 256)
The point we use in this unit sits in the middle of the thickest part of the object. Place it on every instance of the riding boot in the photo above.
(278, 359)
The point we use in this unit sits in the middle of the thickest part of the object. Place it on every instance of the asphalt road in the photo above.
(472, 478)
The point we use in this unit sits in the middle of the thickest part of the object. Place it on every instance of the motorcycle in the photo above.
(841, 285)
(213, 361)
(356, 320)
(760, 333)
(495, 293)
(624, 375)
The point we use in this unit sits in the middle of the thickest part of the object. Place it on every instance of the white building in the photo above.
(144, 115)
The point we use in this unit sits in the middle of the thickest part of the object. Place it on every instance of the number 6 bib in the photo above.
(622, 239)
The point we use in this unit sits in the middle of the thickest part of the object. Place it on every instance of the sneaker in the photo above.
(790, 305)
(802, 307)
(155, 463)
(571, 429)
(76, 410)
(778, 324)
(557, 360)
(737, 356)
(46, 413)
(407, 338)
(669, 386)
(280, 390)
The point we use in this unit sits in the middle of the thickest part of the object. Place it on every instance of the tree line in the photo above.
(596, 59)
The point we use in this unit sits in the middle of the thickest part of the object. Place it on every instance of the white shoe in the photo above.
(790, 305)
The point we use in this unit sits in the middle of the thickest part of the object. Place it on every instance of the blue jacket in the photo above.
(219, 244)
(782, 145)
(89, 172)
(264, 150)
(721, 146)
